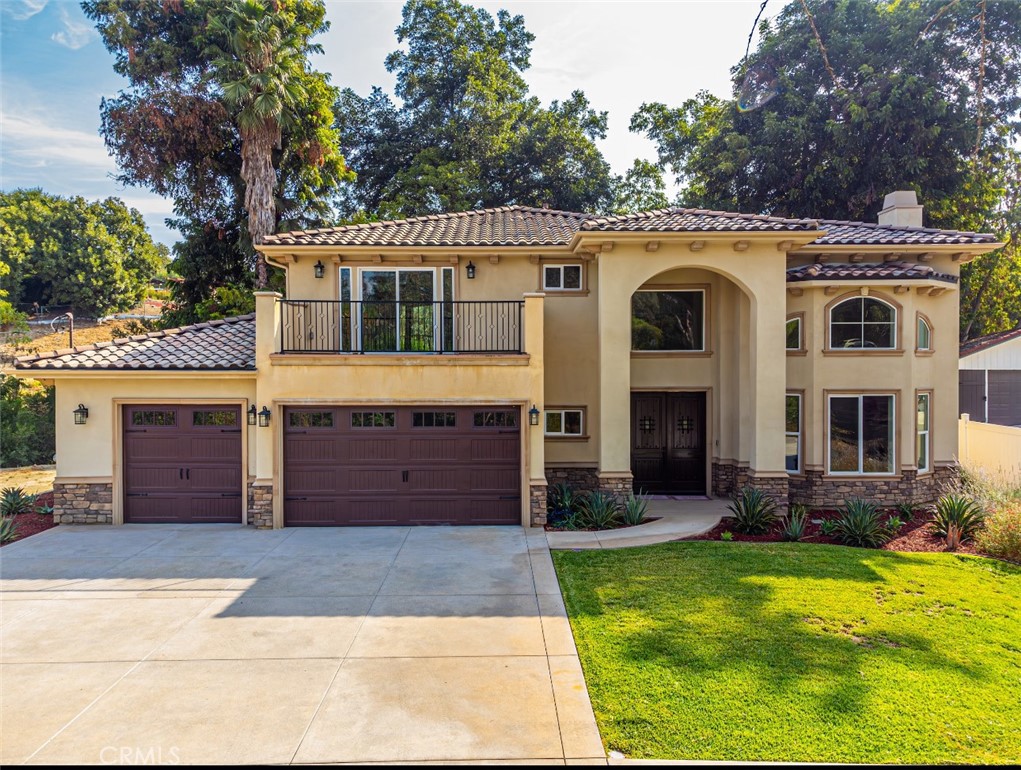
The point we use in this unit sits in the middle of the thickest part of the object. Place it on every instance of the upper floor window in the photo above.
(863, 322)
(794, 333)
(561, 277)
(668, 320)
(923, 339)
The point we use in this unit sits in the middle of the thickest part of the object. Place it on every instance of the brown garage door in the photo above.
(182, 463)
(377, 466)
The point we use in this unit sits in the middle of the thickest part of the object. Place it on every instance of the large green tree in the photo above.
(96, 256)
(176, 128)
(465, 132)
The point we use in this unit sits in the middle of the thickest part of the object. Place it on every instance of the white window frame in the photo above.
(705, 318)
(919, 323)
(861, 430)
(563, 422)
(894, 323)
(926, 434)
(561, 268)
(796, 319)
(795, 434)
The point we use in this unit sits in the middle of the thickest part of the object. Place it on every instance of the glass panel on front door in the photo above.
(398, 311)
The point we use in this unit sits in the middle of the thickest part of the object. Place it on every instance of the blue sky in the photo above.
(54, 70)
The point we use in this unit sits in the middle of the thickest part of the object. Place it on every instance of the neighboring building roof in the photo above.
(886, 271)
(504, 226)
(528, 226)
(215, 345)
(990, 340)
(840, 233)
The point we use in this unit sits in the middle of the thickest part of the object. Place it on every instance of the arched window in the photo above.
(863, 322)
(923, 339)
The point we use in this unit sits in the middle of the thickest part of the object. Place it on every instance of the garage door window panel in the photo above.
(373, 419)
(154, 418)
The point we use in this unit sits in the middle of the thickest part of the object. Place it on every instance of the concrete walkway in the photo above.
(219, 644)
(677, 519)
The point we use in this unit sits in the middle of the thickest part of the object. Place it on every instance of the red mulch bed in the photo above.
(33, 523)
(915, 535)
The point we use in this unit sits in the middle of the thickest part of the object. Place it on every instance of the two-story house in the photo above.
(444, 369)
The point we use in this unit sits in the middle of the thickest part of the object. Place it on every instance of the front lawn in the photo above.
(797, 652)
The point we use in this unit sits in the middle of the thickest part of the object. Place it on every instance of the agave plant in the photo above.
(794, 528)
(562, 503)
(859, 523)
(599, 510)
(754, 511)
(14, 500)
(828, 527)
(959, 512)
(8, 529)
(634, 509)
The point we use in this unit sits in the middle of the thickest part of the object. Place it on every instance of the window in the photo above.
(373, 419)
(668, 320)
(564, 422)
(793, 433)
(221, 417)
(561, 277)
(922, 425)
(496, 419)
(923, 339)
(433, 420)
(861, 434)
(863, 322)
(311, 419)
(154, 418)
(794, 333)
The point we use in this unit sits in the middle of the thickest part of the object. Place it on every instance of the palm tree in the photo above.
(258, 61)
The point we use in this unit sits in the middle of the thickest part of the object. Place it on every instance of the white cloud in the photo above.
(31, 140)
(76, 32)
(23, 9)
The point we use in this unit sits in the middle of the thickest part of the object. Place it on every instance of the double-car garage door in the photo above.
(342, 466)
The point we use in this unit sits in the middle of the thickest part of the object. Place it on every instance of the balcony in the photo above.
(410, 328)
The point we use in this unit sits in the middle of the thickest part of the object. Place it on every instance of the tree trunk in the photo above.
(260, 179)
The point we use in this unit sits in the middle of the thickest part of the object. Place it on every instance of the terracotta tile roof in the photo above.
(989, 340)
(886, 271)
(695, 220)
(225, 344)
(504, 226)
(865, 233)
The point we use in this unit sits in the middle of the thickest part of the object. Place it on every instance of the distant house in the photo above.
(990, 378)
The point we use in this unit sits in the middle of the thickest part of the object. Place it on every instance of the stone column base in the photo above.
(83, 503)
(618, 484)
(577, 478)
(776, 487)
(260, 506)
(816, 490)
(537, 503)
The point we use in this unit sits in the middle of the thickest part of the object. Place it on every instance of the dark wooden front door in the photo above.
(381, 466)
(668, 432)
(182, 463)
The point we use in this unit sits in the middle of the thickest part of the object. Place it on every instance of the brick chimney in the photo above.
(901, 209)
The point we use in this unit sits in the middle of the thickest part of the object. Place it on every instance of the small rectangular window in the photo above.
(496, 419)
(433, 419)
(311, 419)
(564, 422)
(794, 333)
(561, 277)
(793, 433)
(922, 425)
(373, 419)
(221, 417)
(154, 418)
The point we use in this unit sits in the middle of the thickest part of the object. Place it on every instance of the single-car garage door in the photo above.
(377, 466)
(182, 463)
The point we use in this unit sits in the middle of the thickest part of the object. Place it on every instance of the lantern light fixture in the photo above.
(81, 414)
(470, 269)
(264, 417)
(320, 269)
(252, 414)
(533, 415)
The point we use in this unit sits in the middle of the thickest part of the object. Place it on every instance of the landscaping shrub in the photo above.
(754, 511)
(1001, 535)
(26, 414)
(794, 528)
(634, 509)
(8, 529)
(859, 523)
(828, 527)
(562, 506)
(599, 510)
(14, 501)
(958, 518)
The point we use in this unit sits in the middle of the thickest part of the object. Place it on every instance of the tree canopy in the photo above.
(96, 256)
(466, 133)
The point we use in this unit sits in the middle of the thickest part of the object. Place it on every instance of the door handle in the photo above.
(187, 473)
(180, 473)
(404, 476)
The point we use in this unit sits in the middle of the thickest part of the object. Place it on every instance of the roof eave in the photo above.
(960, 252)
(49, 373)
(584, 239)
(931, 283)
(291, 253)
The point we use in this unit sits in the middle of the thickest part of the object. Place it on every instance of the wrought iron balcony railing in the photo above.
(332, 326)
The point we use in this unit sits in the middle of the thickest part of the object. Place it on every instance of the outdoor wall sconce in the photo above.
(81, 414)
(320, 269)
(251, 414)
(264, 417)
(533, 415)
(470, 269)
(646, 424)
(685, 424)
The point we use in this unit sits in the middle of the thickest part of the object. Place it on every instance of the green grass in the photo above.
(796, 652)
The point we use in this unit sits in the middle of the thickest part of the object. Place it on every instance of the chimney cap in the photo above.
(900, 198)
(901, 209)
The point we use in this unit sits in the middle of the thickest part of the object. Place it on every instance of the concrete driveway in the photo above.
(219, 644)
